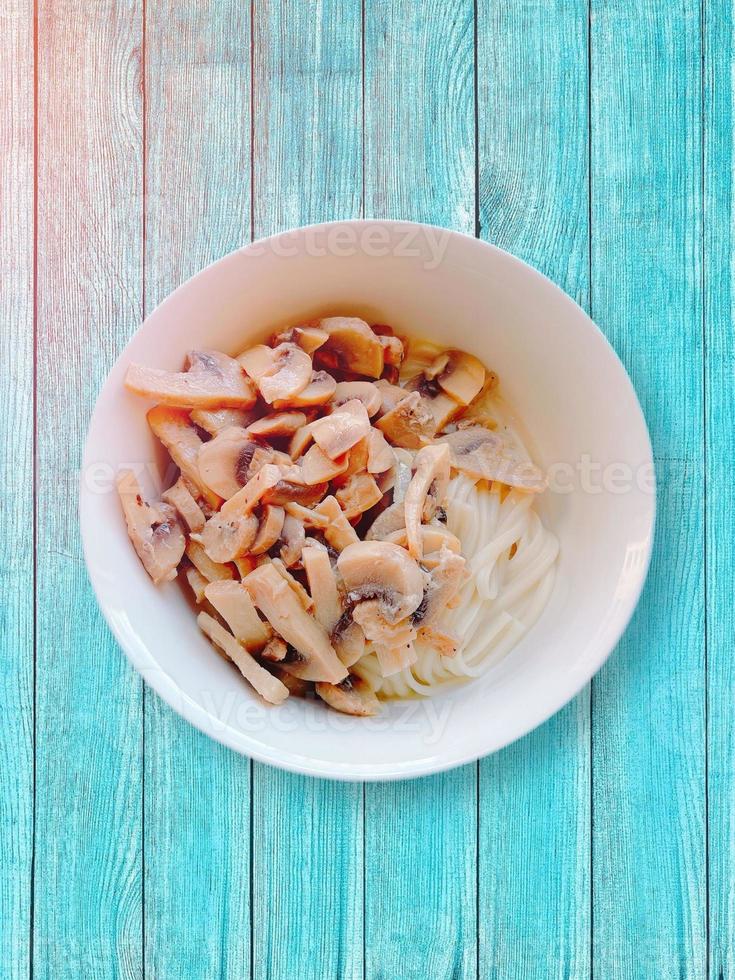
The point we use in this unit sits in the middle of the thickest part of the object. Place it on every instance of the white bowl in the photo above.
(561, 377)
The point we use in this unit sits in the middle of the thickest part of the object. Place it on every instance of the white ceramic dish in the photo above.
(561, 377)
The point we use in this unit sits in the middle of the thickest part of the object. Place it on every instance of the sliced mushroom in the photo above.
(268, 686)
(251, 494)
(300, 441)
(228, 536)
(409, 424)
(275, 650)
(307, 516)
(213, 571)
(349, 642)
(215, 420)
(393, 642)
(306, 337)
(301, 593)
(354, 344)
(392, 350)
(180, 497)
(425, 493)
(292, 540)
(277, 425)
(297, 687)
(441, 405)
(385, 572)
(197, 583)
(483, 455)
(337, 433)
(434, 537)
(404, 473)
(246, 564)
(352, 696)
(461, 375)
(226, 461)
(319, 391)
(359, 494)
(390, 395)
(446, 644)
(444, 583)
(279, 372)
(287, 492)
(338, 533)
(271, 525)
(322, 585)
(174, 429)
(380, 455)
(153, 529)
(232, 601)
(213, 380)
(317, 467)
(282, 608)
(364, 391)
(392, 520)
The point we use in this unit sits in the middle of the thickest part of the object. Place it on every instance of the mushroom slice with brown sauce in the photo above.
(409, 424)
(213, 380)
(275, 650)
(322, 585)
(172, 426)
(446, 644)
(392, 350)
(153, 529)
(352, 696)
(390, 395)
(434, 537)
(197, 583)
(268, 686)
(215, 420)
(277, 425)
(337, 433)
(460, 375)
(282, 608)
(357, 458)
(306, 337)
(483, 455)
(269, 531)
(380, 455)
(287, 492)
(384, 572)
(425, 493)
(292, 540)
(364, 391)
(445, 581)
(279, 372)
(338, 533)
(391, 521)
(307, 516)
(355, 345)
(301, 593)
(232, 601)
(316, 467)
(359, 494)
(251, 494)
(441, 405)
(319, 391)
(179, 496)
(213, 571)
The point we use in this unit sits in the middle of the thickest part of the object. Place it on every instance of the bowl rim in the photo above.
(152, 674)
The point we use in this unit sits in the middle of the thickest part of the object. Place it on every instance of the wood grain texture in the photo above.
(307, 833)
(534, 899)
(197, 208)
(16, 487)
(719, 305)
(89, 767)
(648, 702)
(420, 844)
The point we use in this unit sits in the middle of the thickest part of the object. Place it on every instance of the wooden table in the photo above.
(140, 140)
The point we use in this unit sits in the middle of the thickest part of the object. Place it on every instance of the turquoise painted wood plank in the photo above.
(16, 487)
(89, 723)
(534, 797)
(420, 836)
(308, 845)
(197, 793)
(648, 702)
(719, 305)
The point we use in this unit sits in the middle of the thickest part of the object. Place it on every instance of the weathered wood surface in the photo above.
(594, 139)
